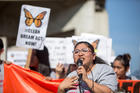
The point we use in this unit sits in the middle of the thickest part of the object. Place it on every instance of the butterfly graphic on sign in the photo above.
(37, 20)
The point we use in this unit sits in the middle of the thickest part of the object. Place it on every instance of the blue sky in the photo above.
(124, 28)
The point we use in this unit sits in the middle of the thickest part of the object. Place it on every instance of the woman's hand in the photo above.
(68, 83)
(60, 73)
(59, 68)
(81, 70)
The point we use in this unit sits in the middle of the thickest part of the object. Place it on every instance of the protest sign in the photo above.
(129, 86)
(57, 50)
(32, 27)
(104, 46)
(17, 57)
(60, 49)
(69, 50)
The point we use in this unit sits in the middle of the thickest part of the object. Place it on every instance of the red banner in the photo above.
(129, 86)
(21, 80)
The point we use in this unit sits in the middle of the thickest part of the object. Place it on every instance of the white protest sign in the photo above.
(60, 49)
(1, 77)
(104, 46)
(57, 50)
(17, 57)
(32, 27)
(69, 49)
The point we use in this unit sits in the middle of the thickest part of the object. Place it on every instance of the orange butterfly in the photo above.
(37, 20)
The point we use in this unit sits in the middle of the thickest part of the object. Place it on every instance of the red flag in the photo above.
(21, 80)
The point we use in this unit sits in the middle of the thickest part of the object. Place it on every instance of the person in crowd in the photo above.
(60, 71)
(121, 66)
(91, 77)
(40, 61)
(71, 68)
(1, 51)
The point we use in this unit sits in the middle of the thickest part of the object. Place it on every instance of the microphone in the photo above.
(79, 63)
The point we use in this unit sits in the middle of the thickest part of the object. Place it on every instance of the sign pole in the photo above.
(28, 58)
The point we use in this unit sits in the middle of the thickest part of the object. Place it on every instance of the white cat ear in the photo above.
(95, 43)
(74, 42)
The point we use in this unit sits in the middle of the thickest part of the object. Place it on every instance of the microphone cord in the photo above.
(80, 89)
(92, 82)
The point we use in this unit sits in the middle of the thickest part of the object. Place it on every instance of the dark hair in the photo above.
(44, 70)
(69, 68)
(1, 44)
(97, 60)
(88, 45)
(124, 59)
(43, 57)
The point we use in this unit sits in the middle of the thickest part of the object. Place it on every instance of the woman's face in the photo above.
(119, 69)
(84, 53)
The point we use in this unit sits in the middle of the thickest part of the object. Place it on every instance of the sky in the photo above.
(124, 29)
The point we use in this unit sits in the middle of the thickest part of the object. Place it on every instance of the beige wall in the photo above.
(87, 20)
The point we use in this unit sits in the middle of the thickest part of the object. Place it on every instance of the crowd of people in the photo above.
(93, 76)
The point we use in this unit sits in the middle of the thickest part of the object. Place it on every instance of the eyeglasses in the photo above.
(84, 50)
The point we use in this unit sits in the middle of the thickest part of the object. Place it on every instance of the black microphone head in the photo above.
(79, 62)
